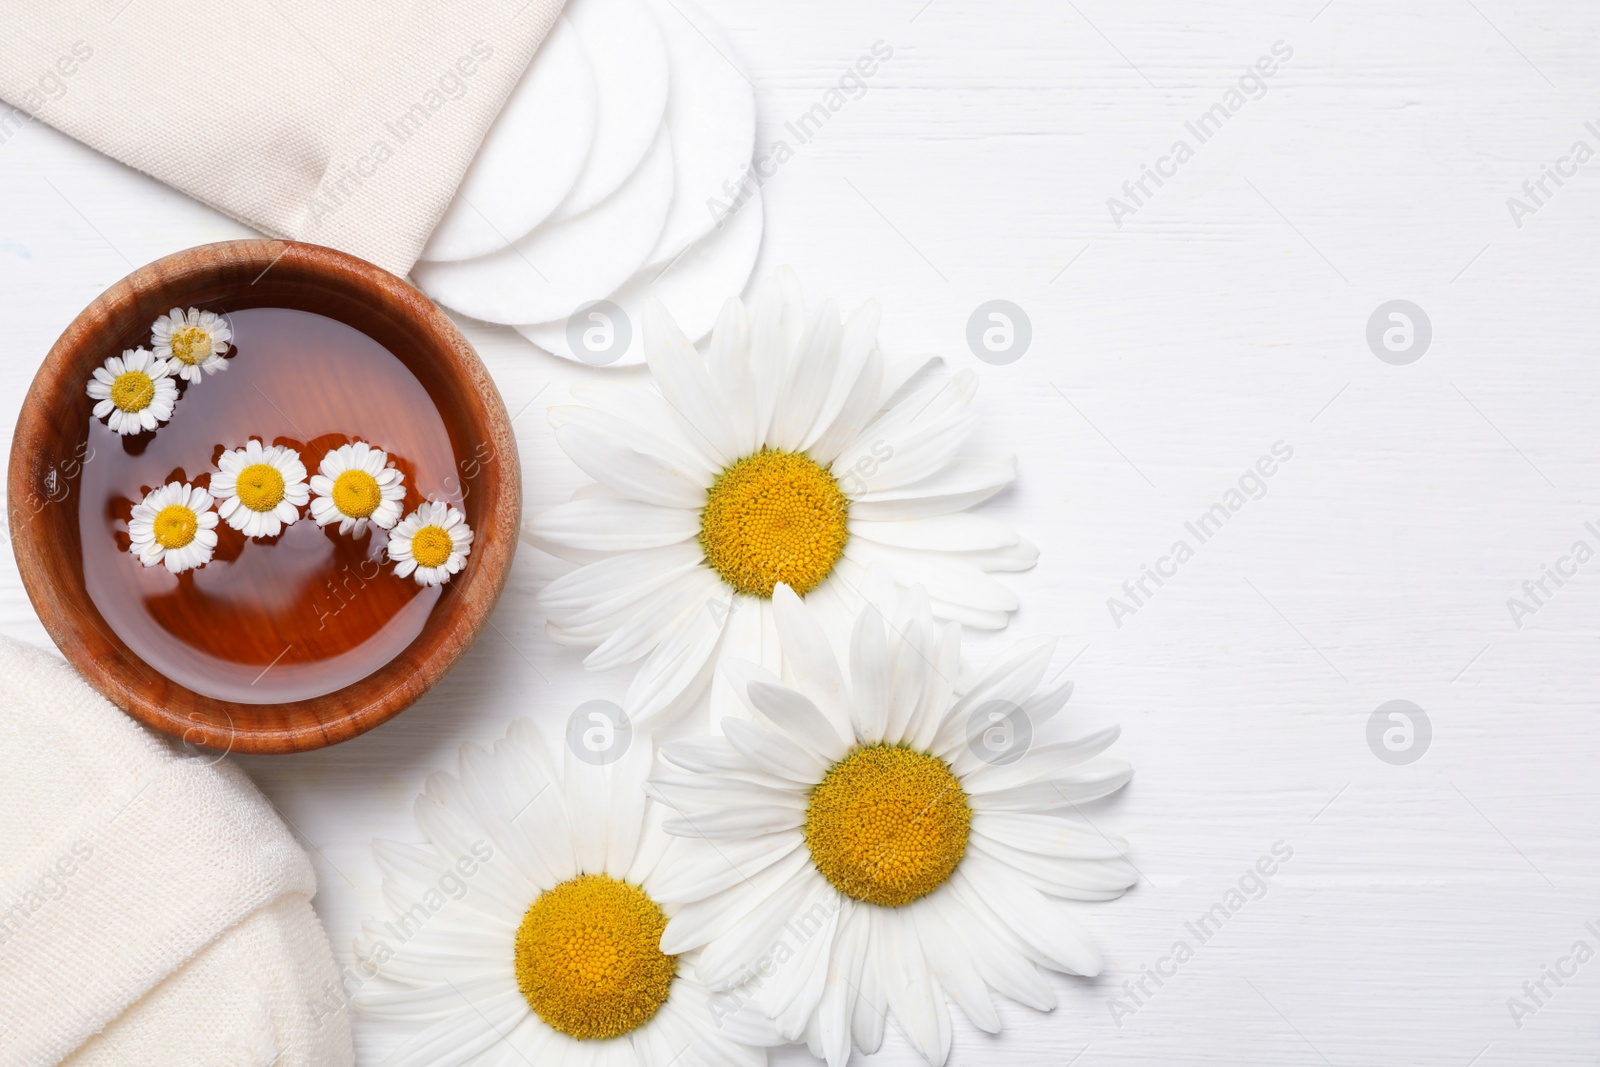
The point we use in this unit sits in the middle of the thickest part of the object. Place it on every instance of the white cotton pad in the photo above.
(560, 265)
(693, 289)
(711, 108)
(530, 158)
(623, 40)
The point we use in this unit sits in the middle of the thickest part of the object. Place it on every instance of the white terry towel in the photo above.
(154, 909)
(341, 122)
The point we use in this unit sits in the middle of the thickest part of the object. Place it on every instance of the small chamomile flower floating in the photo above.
(354, 486)
(877, 797)
(431, 544)
(174, 525)
(790, 453)
(133, 391)
(194, 341)
(262, 488)
(549, 950)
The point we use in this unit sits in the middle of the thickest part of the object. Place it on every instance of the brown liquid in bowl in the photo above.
(295, 616)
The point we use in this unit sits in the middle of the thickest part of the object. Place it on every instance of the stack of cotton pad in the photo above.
(616, 171)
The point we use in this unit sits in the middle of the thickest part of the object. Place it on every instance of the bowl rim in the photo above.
(362, 705)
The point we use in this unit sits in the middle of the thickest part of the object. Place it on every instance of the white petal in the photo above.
(857, 381)
(681, 375)
(626, 577)
(775, 326)
(1044, 928)
(949, 579)
(1099, 777)
(772, 752)
(942, 533)
(909, 987)
(1070, 879)
(460, 1039)
(584, 790)
(729, 364)
(915, 440)
(610, 526)
(735, 917)
(953, 968)
(869, 678)
(741, 641)
(1009, 679)
(872, 1009)
(729, 955)
(699, 871)
(662, 437)
(736, 823)
(962, 485)
(840, 999)
(809, 656)
(1039, 761)
(650, 626)
(798, 718)
(632, 474)
(798, 985)
(697, 794)
(676, 673)
(811, 374)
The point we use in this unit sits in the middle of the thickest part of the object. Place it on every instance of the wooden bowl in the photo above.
(235, 275)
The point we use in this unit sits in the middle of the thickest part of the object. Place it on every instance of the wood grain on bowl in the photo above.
(50, 453)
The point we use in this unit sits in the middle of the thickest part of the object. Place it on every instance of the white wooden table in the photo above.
(1228, 312)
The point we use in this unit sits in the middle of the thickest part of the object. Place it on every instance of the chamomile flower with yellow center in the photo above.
(431, 544)
(262, 488)
(790, 453)
(917, 821)
(355, 485)
(174, 525)
(528, 928)
(193, 340)
(133, 392)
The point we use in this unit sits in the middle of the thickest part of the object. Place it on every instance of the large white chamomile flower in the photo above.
(869, 846)
(261, 488)
(193, 341)
(790, 454)
(550, 950)
(133, 392)
(356, 484)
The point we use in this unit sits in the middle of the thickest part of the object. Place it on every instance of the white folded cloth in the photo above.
(154, 909)
(342, 122)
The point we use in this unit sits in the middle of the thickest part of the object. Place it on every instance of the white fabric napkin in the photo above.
(342, 122)
(154, 909)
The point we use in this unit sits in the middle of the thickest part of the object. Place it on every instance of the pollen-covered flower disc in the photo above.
(356, 484)
(174, 526)
(133, 392)
(261, 488)
(791, 453)
(193, 341)
(431, 544)
(537, 932)
(926, 862)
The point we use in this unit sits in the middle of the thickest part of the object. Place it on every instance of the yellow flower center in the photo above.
(589, 959)
(774, 517)
(356, 494)
(887, 825)
(133, 390)
(191, 344)
(175, 526)
(260, 487)
(430, 546)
